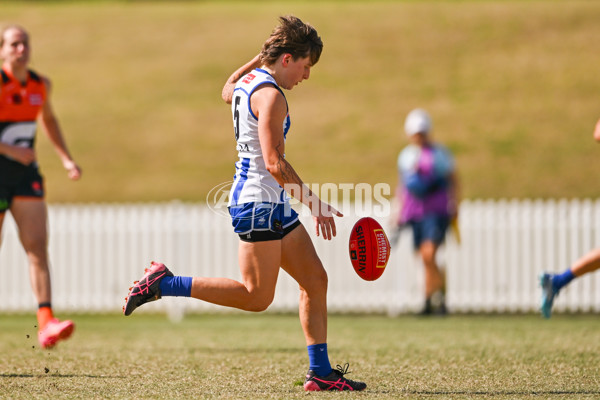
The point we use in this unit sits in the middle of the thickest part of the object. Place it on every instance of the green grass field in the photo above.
(243, 356)
(512, 87)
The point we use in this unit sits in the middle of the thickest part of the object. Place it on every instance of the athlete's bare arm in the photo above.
(51, 126)
(270, 107)
(227, 93)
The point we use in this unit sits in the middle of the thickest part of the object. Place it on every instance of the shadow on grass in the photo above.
(62, 376)
(500, 393)
(247, 350)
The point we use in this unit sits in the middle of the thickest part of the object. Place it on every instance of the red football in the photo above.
(369, 249)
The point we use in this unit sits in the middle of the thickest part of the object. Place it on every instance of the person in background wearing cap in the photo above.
(427, 195)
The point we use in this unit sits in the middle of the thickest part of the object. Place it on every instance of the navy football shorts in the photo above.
(430, 228)
(259, 222)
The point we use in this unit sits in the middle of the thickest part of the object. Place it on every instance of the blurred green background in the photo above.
(513, 88)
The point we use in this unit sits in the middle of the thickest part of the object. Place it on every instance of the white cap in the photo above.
(417, 121)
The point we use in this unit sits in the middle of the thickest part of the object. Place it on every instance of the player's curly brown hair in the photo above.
(294, 37)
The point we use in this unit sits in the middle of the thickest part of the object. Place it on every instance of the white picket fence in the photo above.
(97, 250)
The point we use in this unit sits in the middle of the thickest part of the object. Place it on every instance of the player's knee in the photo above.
(322, 280)
(260, 301)
(36, 254)
(34, 245)
(38, 260)
(316, 282)
(258, 306)
(428, 250)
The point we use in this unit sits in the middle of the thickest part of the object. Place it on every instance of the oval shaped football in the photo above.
(369, 249)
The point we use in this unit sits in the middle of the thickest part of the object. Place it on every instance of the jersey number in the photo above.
(236, 118)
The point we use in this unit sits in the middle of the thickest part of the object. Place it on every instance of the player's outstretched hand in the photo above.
(73, 170)
(324, 222)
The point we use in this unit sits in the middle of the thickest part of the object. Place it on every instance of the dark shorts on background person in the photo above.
(260, 222)
(430, 228)
(31, 184)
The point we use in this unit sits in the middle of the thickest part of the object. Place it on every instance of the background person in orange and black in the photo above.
(24, 99)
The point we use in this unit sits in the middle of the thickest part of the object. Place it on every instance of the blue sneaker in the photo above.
(548, 294)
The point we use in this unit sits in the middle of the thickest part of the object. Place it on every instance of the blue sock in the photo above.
(561, 280)
(318, 358)
(176, 286)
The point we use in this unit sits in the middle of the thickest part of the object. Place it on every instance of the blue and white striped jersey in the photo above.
(252, 181)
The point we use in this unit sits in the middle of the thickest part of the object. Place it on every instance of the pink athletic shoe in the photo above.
(146, 289)
(335, 381)
(54, 331)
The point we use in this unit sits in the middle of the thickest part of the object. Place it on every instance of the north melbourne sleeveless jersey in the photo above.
(252, 181)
